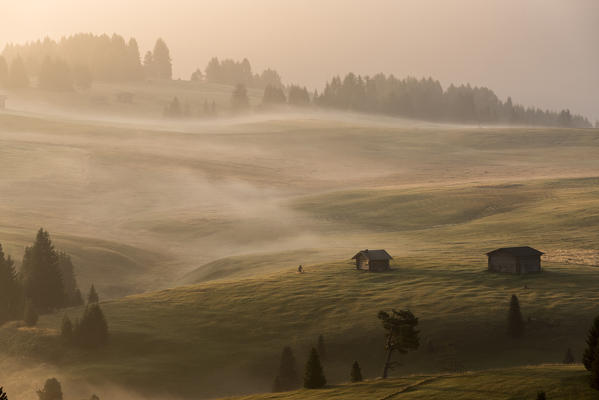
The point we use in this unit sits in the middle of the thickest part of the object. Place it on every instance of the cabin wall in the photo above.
(379, 265)
(530, 264)
(361, 262)
(503, 263)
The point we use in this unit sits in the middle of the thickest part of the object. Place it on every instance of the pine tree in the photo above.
(67, 272)
(30, 315)
(401, 336)
(273, 95)
(92, 330)
(148, 65)
(322, 351)
(287, 377)
(356, 372)
(515, 320)
(314, 375)
(17, 75)
(41, 276)
(10, 289)
(92, 296)
(51, 391)
(569, 357)
(239, 99)
(592, 339)
(595, 370)
(161, 60)
(66, 330)
(3, 72)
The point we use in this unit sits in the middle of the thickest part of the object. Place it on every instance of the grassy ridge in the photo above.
(559, 382)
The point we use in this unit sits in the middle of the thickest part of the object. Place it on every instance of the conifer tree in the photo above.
(41, 275)
(515, 320)
(161, 60)
(92, 296)
(55, 75)
(569, 357)
(17, 75)
(356, 372)
(401, 335)
(30, 315)
(10, 289)
(273, 95)
(66, 330)
(92, 330)
(595, 370)
(592, 339)
(322, 351)
(239, 99)
(148, 65)
(51, 391)
(67, 272)
(314, 375)
(3, 72)
(287, 377)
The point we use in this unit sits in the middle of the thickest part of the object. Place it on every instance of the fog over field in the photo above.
(183, 187)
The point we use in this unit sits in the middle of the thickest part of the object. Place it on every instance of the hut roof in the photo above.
(522, 251)
(374, 255)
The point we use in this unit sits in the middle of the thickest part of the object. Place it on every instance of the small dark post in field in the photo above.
(314, 375)
(402, 335)
(356, 372)
(515, 321)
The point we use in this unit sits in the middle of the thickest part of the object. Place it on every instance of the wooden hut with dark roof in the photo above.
(372, 260)
(515, 260)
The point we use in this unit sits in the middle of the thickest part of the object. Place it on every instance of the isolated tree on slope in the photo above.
(356, 372)
(41, 276)
(402, 335)
(515, 320)
(314, 375)
(287, 378)
(10, 289)
(92, 330)
(592, 339)
(92, 296)
(51, 391)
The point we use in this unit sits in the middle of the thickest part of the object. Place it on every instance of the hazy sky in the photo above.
(541, 52)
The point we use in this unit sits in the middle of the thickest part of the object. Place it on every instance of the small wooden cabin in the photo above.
(2, 102)
(372, 260)
(515, 260)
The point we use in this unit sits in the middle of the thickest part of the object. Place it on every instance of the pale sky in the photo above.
(541, 52)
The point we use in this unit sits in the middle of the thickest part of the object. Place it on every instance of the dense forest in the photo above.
(78, 60)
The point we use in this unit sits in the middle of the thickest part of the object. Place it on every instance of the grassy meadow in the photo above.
(192, 232)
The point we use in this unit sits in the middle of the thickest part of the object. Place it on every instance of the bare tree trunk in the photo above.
(388, 358)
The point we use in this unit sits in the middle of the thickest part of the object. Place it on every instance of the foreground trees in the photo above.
(52, 390)
(11, 296)
(314, 375)
(515, 320)
(401, 335)
(287, 377)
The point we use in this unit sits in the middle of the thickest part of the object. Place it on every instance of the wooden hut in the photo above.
(372, 260)
(515, 260)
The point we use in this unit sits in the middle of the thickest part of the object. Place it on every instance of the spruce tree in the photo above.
(66, 330)
(287, 377)
(515, 320)
(51, 391)
(595, 371)
(322, 351)
(10, 289)
(314, 375)
(161, 60)
(3, 72)
(92, 296)
(41, 275)
(569, 357)
(67, 272)
(30, 315)
(17, 75)
(356, 372)
(592, 339)
(92, 330)
(239, 99)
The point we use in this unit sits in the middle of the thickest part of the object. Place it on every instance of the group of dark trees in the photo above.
(590, 358)
(90, 331)
(287, 377)
(231, 72)
(177, 109)
(296, 96)
(426, 99)
(45, 282)
(78, 60)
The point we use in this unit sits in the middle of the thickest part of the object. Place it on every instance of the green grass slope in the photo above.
(559, 382)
